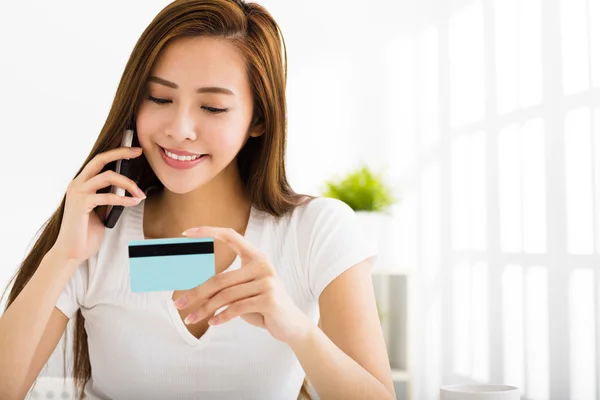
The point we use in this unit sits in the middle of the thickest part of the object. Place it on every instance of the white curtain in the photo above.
(505, 133)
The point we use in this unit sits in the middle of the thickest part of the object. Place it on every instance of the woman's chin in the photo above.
(186, 180)
(181, 187)
(180, 182)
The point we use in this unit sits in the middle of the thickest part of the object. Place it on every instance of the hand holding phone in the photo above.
(82, 229)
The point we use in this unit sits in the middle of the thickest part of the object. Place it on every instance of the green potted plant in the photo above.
(363, 190)
(371, 198)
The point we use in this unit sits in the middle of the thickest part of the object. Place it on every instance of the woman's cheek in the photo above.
(142, 133)
(147, 124)
(227, 142)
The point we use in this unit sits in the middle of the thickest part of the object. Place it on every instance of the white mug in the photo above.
(479, 392)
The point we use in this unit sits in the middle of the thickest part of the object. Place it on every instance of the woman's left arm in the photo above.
(347, 357)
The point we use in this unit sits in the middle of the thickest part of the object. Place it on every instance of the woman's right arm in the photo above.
(32, 326)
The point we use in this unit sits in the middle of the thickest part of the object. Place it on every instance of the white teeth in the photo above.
(182, 158)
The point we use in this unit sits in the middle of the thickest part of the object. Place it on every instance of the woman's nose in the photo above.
(182, 126)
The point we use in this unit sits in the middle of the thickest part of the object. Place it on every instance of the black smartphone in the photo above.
(123, 167)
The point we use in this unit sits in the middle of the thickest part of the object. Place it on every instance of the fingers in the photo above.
(237, 242)
(112, 178)
(225, 297)
(95, 166)
(214, 285)
(103, 199)
(239, 308)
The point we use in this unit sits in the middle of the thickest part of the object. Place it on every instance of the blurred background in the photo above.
(483, 117)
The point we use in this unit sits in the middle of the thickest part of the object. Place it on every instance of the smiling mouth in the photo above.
(177, 157)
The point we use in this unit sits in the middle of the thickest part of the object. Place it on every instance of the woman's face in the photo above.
(198, 103)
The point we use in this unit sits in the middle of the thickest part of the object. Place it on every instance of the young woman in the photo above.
(292, 296)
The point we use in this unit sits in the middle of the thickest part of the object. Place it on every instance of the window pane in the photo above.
(469, 192)
(477, 204)
(433, 352)
(596, 190)
(400, 148)
(479, 302)
(518, 53)
(505, 22)
(461, 288)
(538, 368)
(578, 165)
(530, 53)
(428, 95)
(466, 65)
(594, 21)
(574, 41)
(534, 187)
(512, 324)
(431, 221)
(460, 193)
(582, 332)
(510, 195)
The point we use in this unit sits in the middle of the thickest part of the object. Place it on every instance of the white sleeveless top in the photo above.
(140, 348)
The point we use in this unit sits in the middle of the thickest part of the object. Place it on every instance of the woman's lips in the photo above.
(179, 164)
(180, 152)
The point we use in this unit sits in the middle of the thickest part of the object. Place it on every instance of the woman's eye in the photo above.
(211, 110)
(158, 101)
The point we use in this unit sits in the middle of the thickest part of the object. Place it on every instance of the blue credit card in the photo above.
(170, 264)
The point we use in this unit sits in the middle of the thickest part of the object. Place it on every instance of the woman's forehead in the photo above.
(194, 63)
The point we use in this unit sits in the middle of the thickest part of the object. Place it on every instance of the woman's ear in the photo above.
(257, 129)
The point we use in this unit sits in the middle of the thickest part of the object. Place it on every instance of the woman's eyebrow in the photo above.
(208, 89)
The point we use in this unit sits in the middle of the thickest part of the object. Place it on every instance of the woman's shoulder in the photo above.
(320, 208)
(315, 215)
(310, 210)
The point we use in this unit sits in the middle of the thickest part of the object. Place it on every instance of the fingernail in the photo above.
(189, 319)
(180, 302)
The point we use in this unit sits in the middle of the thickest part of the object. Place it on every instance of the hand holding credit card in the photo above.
(170, 264)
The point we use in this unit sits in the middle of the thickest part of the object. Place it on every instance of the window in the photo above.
(508, 170)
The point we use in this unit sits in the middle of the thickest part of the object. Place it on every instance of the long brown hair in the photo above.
(261, 161)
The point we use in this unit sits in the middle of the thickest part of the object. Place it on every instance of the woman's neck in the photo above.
(221, 202)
